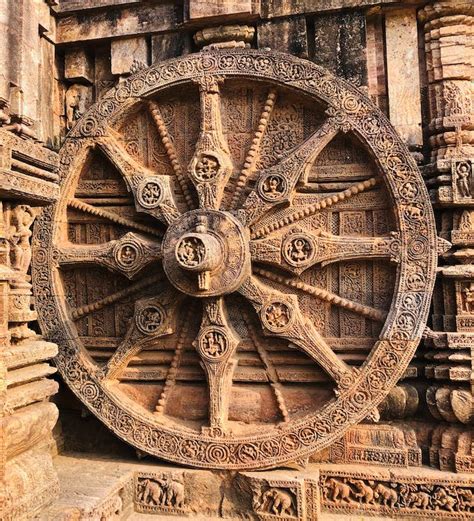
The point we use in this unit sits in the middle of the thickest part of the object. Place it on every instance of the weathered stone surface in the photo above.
(199, 9)
(169, 45)
(118, 22)
(340, 45)
(78, 65)
(404, 101)
(127, 52)
(287, 35)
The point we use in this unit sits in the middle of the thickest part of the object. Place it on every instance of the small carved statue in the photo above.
(77, 100)
(162, 492)
(466, 222)
(419, 499)
(214, 344)
(20, 234)
(364, 493)
(463, 179)
(191, 253)
(468, 298)
(273, 187)
(339, 491)
(442, 499)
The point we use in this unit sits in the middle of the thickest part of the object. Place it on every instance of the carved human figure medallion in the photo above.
(240, 265)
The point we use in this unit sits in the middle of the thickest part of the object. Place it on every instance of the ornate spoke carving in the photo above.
(211, 166)
(152, 192)
(171, 151)
(216, 344)
(311, 209)
(115, 297)
(127, 255)
(253, 154)
(153, 318)
(281, 317)
(325, 295)
(92, 210)
(269, 368)
(276, 184)
(173, 368)
(299, 249)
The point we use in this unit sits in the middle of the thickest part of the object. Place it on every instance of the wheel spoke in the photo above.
(152, 193)
(154, 317)
(211, 166)
(127, 255)
(253, 154)
(171, 151)
(312, 209)
(87, 309)
(272, 373)
(302, 248)
(216, 345)
(113, 217)
(327, 296)
(281, 317)
(175, 362)
(276, 184)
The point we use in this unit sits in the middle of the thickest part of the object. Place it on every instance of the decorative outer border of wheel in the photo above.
(403, 328)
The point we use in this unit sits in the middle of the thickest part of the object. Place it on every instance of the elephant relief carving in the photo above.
(277, 502)
(165, 492)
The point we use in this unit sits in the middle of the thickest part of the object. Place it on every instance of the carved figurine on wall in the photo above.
(463, 179)
(77, 100)
(20, 235)
(468, 298)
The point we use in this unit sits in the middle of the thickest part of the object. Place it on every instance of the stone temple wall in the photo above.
(412, 453)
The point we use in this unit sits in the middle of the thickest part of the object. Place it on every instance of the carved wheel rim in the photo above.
(357, 391)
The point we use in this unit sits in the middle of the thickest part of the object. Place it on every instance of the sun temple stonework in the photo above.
(236, 259)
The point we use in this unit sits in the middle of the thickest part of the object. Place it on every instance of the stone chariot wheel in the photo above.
(240, 264)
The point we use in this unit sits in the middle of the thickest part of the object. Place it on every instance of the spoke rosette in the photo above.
(200, 236)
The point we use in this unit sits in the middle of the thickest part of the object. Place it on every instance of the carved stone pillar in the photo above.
(28, 480)
(450, 138)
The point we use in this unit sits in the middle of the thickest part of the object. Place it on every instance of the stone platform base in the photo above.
(99, 489)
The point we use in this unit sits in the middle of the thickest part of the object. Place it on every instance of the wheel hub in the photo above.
(205, 253)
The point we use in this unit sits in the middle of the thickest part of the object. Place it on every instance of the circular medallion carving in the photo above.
(150, 319)
(298, 249)
(207, 168)
(127, 254)
(215, 260)
(150, 194)
(272, 187)
(277, 316)
(213, 343)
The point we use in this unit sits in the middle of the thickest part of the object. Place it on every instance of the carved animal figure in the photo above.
(387, 495)
(364, 493)
(153, 491)
(419, 500)
(277, 502)
(340, 491)
(443, 500)
(174, 493)
(467, 499)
